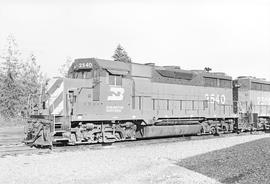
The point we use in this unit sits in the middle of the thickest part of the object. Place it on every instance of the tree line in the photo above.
(22, 77)
(19, 78)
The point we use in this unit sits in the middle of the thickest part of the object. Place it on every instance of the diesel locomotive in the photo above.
(106, 101)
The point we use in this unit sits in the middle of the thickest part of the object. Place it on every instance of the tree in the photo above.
(18, 79)
(63, 70)
(11, 57)
(10, 94)
(31, 80)
(121, 55)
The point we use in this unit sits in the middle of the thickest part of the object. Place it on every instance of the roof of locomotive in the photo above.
(165, 71)
(189, 74)
(185, 73)
(253, 79)
(87, 63)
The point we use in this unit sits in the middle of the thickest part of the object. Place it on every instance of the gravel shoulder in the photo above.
(135, 164)
(247, 163)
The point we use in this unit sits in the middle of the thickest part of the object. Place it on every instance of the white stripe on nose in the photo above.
(55, 102)
(51, 83)
(56, 93)
(57, 110)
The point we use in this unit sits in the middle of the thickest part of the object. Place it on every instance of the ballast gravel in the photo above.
(155, 163)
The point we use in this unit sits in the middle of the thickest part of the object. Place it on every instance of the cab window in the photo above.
(82, 75)
(115, 80)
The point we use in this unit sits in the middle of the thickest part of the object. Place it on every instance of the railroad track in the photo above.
(19, 149)
(15, 149)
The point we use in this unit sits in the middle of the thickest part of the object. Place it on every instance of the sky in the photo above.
(231, 36)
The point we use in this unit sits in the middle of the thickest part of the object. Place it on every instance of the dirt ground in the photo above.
(112, 164)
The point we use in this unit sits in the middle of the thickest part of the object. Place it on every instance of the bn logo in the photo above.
(117, 94)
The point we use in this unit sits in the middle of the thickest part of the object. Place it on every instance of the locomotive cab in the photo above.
(107, 94)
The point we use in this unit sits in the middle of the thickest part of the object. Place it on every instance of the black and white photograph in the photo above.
(135, 91)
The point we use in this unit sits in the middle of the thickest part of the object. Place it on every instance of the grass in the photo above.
(247, 163)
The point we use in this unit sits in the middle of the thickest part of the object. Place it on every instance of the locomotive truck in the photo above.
(105, 101)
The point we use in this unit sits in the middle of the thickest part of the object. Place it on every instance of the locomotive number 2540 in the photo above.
(215, 98)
